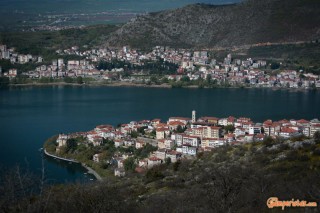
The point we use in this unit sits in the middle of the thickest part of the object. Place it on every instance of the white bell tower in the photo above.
(193, 116)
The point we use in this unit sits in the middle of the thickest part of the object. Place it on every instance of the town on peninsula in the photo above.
(138, 146)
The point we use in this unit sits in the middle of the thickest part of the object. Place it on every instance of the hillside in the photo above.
(201, 25)
(229, 179)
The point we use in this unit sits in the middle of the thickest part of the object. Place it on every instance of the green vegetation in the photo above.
(45, 43)
(144, 151)
(229, 179)
(4, 82)
(6, 65)
(316, 137)
(82, 151)
(129, 164)
(50, 144)
(229, 128)
(294, 56)
(159, 67)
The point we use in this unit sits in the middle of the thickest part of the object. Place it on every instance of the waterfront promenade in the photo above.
(90, 170)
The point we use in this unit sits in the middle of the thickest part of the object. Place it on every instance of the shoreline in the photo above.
(164, 86)
(90, 170)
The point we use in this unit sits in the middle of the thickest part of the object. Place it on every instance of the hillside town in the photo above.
(191, 67)
(182, 137)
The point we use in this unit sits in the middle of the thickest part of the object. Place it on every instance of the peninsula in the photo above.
(139, 146)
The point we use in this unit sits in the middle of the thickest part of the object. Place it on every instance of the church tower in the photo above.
(193, 116)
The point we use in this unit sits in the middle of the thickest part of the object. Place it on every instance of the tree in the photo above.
(164, 80)
(229, 128)
(134, 134)
(208, 79)
(79, 80)
(167, 161)
(141, 130)
(275, 65)
(68, 80)
(71, 145)
(129, 164)
(268, 141)
(316, 137)
(185, 79)
(179, 129)
(154, 79)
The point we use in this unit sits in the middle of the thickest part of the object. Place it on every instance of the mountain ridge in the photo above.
(203, 25)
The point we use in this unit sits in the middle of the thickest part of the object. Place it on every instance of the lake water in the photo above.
(30, 115)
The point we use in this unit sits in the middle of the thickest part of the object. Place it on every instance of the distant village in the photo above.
(182, 137)
(193, 65)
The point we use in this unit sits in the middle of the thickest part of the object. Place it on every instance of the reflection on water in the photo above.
(73, 169)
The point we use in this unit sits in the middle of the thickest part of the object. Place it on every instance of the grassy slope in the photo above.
(229, 179)
(45, 43)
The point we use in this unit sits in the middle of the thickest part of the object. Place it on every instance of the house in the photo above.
(169, 144)
(207, 131)
(179, 139)
(180, 119)
(119, 172)
(128, 142)
(275, 128)
(96, 158)
(161, 133)
(179, 149)
(314, 128)
(212, 120)
(118, 143)
(140, 144)
(306, 130)
(62, 139)
(189, 150)
(239, 131)
(212, 132)
(155, 122)
(192, 151)
(287, 132)
(143, 163)
(161, 144)
(143, 123)
(119, 161)
(223, 121)
(213, 142)
(229, 137)
(173, 155)
(173, 125)
(191, 140)
(302, 122)
(254, 130)
(153, 161)
(118, 135)
(97, 140)
(161, 154)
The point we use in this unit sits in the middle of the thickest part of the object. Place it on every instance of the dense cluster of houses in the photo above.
(193, 64)
(16, 58)
(59, 69)
(230, 71)
(182, 137)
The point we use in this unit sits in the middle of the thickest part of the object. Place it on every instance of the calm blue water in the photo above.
(29, 115)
